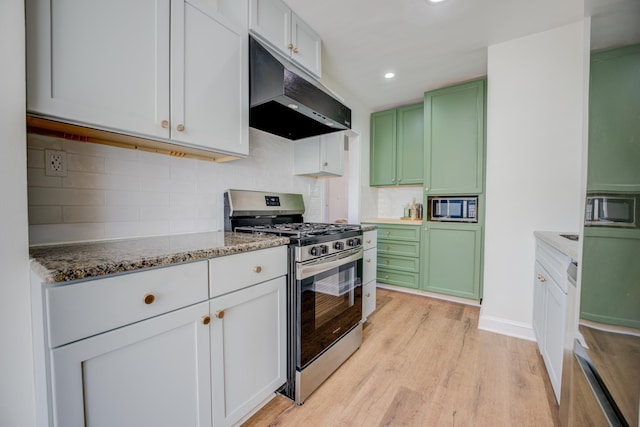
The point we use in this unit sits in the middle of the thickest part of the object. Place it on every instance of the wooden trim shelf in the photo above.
(73, 132)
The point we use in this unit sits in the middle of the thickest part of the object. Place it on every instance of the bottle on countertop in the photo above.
(407, 211)
(414, 211)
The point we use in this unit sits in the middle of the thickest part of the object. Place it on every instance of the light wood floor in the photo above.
(423, 362)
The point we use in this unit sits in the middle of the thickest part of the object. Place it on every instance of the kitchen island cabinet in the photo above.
(397, 141)
(169, 71)
(181, 344)
(454, 122)
(452, 259)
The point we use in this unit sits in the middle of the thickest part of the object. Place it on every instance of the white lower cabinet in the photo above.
(369, 264)
(152, 373)
(248, 349)
(550, 309)
(158, 349)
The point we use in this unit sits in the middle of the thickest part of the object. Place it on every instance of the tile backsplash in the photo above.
(391, 201)
(112, 192)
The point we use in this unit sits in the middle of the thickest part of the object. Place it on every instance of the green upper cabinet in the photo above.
(614, 121)
(454, 119)
(397, 141)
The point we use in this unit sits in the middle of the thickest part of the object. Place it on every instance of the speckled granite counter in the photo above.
(368, 227)
(564, 245)
(69, 262)
(399, 221)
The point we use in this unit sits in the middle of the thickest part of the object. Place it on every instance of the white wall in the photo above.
(114, 192)
(536, 97)
(17, 407)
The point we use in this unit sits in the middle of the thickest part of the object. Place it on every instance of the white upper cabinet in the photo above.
(274, 22)
(319, 155)
(175, 71)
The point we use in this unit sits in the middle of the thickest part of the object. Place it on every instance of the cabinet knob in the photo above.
(388, 233)
(325, 164)
(369, 241)
(426, 189)
(219, 314)
(180, 128)
(164, 123)
(386, 276)
(388, 247)
(295, 50)
(290, 46)
(368, 295)
(206, 320)
(149, 299)
(393, 180)
(386, 261)
(368, 259)
(542, 278)
(426, 229)
(257, 269)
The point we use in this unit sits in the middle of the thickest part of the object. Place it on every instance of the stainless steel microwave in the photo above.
(611, 210)
(453, 209)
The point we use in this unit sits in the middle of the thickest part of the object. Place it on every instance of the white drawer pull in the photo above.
(149, 299)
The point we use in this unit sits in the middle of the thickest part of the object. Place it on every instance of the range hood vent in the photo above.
(285, 104)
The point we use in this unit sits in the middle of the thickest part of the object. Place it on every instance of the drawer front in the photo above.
(88, 308)
(232, 272)
(369, 262)
(370, 239)
(399, 232)
(399, 278)
(387, 247)
(554, 261)
(399, 263)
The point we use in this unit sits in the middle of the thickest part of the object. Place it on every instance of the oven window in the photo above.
(330, 305)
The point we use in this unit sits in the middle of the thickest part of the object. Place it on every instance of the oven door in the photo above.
(330, 302)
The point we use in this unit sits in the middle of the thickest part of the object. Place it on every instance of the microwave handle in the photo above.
(596, 210)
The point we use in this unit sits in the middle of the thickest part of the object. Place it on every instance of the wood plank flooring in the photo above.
(423, 362)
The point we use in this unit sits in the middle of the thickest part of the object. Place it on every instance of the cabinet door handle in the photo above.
(393, 180)
(206, 320)
(368, 295)
(180, 127)
(164, 123)
(257, 269)
(369, 241)
(149, 299)
(295, 50)
(219, 314)
(541, 278)
(290, 46)
(426, 189)
(368, 259)
(426, 229)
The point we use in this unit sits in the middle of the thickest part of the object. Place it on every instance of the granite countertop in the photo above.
(401, 221)
(62, 263)
(564, 245)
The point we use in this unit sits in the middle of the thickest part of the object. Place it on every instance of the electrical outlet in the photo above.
(55, 163)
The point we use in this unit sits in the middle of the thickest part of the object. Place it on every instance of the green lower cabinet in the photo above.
(398, 278)
(399, 255)
(610, 291)
(452, 259)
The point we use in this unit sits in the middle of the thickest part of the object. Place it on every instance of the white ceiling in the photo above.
(433, 45)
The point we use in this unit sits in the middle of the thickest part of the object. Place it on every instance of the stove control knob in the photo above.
(338, 245)
(315, 251)
(353, 242)
(324, 249)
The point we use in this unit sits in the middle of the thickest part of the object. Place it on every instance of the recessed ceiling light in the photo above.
(389, 75)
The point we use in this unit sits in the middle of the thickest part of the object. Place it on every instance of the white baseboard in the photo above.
(506, 327)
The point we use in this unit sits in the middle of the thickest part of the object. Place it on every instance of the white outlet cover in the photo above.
(55, 163)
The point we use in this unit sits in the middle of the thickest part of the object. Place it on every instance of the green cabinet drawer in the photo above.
(399, 232)
(399, 263)
(391, 247)
(398, 278)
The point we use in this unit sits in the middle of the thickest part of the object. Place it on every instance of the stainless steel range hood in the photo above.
(285, 104)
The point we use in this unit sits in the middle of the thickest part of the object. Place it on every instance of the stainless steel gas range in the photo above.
(324, 290)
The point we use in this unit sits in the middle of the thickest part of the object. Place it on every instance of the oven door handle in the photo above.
(304, 270)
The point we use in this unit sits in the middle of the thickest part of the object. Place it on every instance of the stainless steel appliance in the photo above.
(284, 103)
(324, 283)
(611, 210)
(453, 209)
